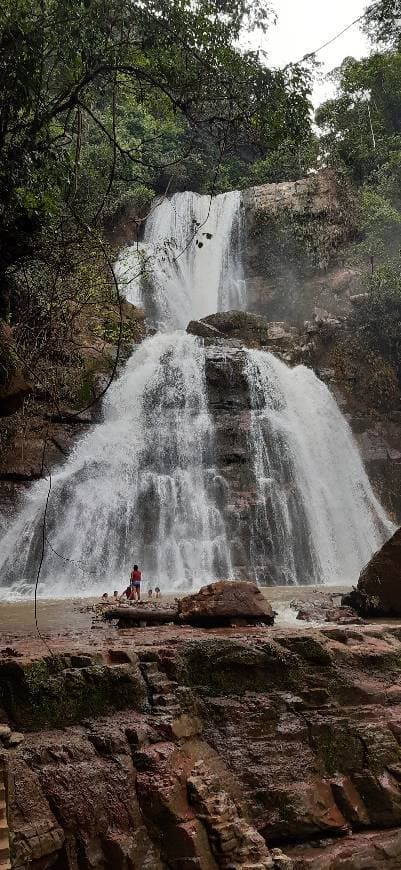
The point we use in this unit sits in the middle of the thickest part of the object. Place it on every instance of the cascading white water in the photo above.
(140, 485)
(189, 264)
(317, 518)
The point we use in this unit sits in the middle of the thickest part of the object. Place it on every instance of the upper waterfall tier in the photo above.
(189, 263)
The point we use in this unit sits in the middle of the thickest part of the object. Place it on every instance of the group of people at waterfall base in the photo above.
(133, 591)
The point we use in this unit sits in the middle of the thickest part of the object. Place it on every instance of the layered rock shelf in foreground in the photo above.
(177, 747)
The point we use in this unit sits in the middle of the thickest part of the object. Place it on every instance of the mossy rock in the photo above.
(308, 648)
(304, 241)
(229, 667)
(340, 749)
(43, 695)
(361, 371)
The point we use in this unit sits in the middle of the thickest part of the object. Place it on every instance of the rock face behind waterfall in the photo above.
(225, 602)
(379, 586)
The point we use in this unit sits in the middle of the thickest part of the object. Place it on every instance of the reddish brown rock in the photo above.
(224, 603)
(96, 821)
(379, 586)
(248, 740)
(370, 851)
(34, 831)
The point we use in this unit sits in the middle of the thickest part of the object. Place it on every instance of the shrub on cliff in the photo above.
(377, 316)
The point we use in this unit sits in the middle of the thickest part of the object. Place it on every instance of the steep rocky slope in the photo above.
(184, 748)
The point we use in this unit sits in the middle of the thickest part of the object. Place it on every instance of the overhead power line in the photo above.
(329, 41)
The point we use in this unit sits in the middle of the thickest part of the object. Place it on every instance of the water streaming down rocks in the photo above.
(145, 485)
(141, 486)
(316, 518)
(189, 264)
(138, 485)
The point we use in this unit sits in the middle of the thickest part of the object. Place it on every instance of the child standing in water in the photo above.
(136, 578)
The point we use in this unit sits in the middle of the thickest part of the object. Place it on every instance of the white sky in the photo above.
(304, 25)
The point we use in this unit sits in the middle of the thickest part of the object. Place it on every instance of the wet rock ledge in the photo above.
(183, 748)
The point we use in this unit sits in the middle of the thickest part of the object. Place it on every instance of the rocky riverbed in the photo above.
(180, 747)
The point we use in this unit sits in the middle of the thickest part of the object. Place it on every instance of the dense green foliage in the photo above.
(382, 306)
(361, 130)
(362, 125)
(383, 22)
(102, 101)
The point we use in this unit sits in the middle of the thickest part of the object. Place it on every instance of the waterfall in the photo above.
(189, 264)
(143, 484)
(317, 519)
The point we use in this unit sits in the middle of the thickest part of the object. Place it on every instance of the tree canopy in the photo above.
(383, 22)
(361, 137)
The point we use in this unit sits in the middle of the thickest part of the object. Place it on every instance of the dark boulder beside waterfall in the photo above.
(202, 329)
(379, 586)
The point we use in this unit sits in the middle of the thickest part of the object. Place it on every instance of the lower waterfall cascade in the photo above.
(144, 485)
(313, 490)
(132, 478)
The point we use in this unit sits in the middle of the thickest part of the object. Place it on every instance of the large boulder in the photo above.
(379, 587)
(226, 602)
(202, 329)
(253, 329)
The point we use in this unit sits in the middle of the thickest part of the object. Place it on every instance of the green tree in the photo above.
(383, 22)
(362, 126)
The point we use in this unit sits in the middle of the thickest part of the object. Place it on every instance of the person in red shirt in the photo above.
(136, 578)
